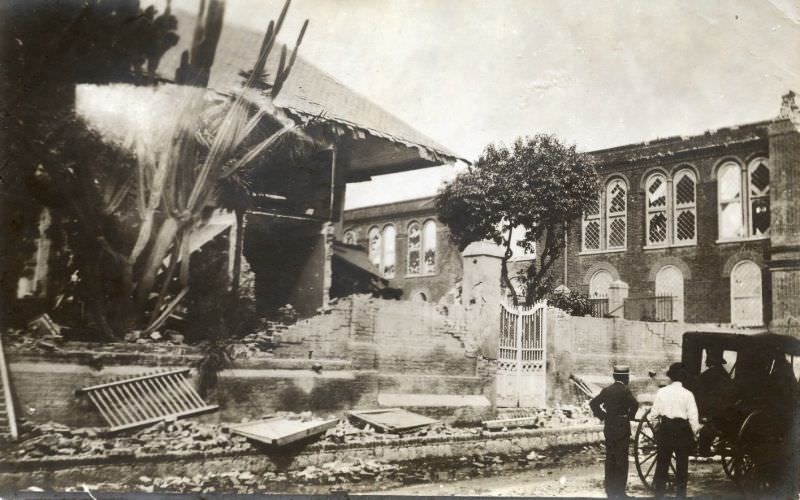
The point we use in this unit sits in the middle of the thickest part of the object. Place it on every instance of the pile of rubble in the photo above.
(52, 440)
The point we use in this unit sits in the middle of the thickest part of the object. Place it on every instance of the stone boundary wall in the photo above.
(61, 473)
(589, 347)
(387, 335)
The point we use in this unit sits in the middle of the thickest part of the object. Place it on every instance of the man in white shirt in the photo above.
(675, 411)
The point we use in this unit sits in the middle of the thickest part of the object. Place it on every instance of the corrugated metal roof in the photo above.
(308, 92)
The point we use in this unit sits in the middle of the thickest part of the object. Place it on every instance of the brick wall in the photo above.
(388, 336)
(401, 214)
(705, 266)
(587, 346)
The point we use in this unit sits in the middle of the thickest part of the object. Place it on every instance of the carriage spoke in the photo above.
(648, 457)
(650, 469)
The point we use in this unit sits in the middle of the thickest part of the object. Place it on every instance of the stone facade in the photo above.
(703, 219)
(429, 284)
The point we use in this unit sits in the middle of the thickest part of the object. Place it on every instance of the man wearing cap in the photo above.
(676, 411)
(615, 406)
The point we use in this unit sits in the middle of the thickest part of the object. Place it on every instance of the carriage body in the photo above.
(753, 437)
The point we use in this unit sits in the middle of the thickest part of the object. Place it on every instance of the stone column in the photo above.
(784, 261)
(617, 293)
(481, 294)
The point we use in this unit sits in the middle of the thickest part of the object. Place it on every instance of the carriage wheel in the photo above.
(747, 465)
(644, 452)
(724, 448)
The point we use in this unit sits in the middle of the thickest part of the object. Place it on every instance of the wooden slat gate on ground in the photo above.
(521, 356)
(145, 399)
(8, 422)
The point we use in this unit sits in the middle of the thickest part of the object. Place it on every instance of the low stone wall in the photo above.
(62, 473)
(589, 347)
(44, 384)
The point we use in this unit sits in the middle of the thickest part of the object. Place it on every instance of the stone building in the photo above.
(412, 249)
(690, 229)
(699, 228)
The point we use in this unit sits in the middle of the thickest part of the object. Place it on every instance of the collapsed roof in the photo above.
(377, 141)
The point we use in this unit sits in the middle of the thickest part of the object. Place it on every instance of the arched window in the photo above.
(429, 247)
(414, 264)
(350, 238)
(591, 227)
(388, 251)
(729, 197)
(375, 247)
(669, 283)
(616, 214)
(746, 301)
(685, 207)
(758, 179)
(599, 284)
(656, 209)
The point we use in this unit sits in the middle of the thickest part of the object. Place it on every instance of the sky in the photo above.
(596, 73)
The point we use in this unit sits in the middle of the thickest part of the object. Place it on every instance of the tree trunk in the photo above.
(161, 246)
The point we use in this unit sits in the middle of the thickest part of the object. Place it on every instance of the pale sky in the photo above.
(596, 73)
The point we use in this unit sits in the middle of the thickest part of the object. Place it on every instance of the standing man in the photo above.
(615, 406)
(676, 411)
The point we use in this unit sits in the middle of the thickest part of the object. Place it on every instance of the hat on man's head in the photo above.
(715, 358)
(622, 370)
(677, 372)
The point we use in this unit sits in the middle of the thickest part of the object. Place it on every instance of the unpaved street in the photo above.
(568, 477)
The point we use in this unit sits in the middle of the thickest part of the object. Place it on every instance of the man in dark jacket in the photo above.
(616, 407)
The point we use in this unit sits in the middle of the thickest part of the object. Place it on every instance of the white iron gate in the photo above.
(521, 356)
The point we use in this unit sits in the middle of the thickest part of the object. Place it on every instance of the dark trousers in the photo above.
(616, 466)
(673, 436)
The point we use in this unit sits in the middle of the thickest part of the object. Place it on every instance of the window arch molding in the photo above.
(650, 172)
(675, 169)
(663, 262)
(722, 162)
(741, 256)
(600, 266)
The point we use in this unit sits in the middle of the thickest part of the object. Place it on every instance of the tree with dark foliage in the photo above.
(46, 47)
(538, 183)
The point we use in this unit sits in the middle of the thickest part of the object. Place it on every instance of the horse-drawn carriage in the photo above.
(754, 431)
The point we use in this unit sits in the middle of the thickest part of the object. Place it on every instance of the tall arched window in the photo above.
(591, 227)
(758, 179)
(388, 251)
(414, 261)
(746, 303)
(743, 200)
(669, 283)
(599, 284)
(375, 247)
(616, 214)
(729, 197)
(429, 247)
(685, 207)
(656, 208)
(350, 238)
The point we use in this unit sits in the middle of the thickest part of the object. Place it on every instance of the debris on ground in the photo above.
(392, 420)
(53, 439)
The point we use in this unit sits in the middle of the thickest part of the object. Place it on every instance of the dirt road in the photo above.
(576, 477)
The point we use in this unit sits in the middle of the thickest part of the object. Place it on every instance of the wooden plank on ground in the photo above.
(393, 420)
(280, 431)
